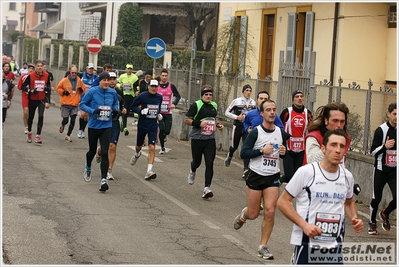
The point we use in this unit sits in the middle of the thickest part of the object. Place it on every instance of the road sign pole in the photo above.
(193, 52)
(153, 68)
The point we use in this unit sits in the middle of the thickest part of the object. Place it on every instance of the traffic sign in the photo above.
(155, 47)
(94, 45)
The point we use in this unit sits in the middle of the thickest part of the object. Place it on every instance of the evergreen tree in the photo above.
(130, 29)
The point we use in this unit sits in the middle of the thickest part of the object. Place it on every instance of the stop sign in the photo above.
(94, 45)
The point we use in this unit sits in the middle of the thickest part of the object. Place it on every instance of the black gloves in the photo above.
(34, 91)
(80, 90)
(115, 113)
(97, 111)
(66, 93)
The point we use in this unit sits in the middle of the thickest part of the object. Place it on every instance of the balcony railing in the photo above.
(46, 7)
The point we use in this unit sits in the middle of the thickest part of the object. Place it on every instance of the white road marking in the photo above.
(146, 154)
(211, 224)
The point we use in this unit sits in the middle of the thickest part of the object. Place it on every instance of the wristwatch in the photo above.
(261, 151)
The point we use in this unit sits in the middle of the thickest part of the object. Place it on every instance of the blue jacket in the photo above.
(94, 99)
(253, 119)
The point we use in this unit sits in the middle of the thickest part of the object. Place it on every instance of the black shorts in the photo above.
(260, 182)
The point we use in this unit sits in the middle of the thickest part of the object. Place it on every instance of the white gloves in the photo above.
(160, 117)
(144, 111)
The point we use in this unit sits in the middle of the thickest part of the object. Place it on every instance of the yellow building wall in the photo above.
(366, 47)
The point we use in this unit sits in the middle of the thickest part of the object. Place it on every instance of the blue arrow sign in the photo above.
(155, 47)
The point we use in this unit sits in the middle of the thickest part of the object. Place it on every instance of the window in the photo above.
(12, 6)
(299, 37)
(392, 17)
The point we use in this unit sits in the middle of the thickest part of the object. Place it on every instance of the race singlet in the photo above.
(105, 113)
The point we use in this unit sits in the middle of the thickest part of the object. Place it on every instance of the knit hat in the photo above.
(103, 75)
(245, 87)
(295, 93)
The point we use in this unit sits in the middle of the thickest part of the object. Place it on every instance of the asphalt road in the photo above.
(52, 216)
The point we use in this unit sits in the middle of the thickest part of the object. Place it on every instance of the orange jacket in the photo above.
(73, 99)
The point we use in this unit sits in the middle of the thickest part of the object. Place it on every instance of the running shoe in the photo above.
(26, 130)
(239, 221)
(150, 175)
(29, 139)
(38, 140)
(68, 139)
(245, 174)
(103, 185)
(227, 161)
(373, 229)
(109, 175)
(264, 252)
(207, 193)
(83, 134)
(162, 151)
(191, 178)
(87, 173)
(126, 131)
(80, 134)
(134, 159)
(386, 226)
(62, 128)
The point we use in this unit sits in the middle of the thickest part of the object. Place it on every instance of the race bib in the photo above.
(390, 158)
(152, 111)
(105, 113)
(269, 163)
(297, 144)
(127, 88)
(165, 106)
(40, 85)
(209, 128)
(329, 223)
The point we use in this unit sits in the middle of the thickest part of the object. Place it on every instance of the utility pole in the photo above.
(193, 54)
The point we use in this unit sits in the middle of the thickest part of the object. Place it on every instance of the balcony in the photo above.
(46, 7)
(92, 7)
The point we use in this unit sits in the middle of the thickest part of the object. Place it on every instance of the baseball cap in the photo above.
(112, 74)
(103, 75)
(129, 66)
(90, 66)
(31, 66)
(154, 82)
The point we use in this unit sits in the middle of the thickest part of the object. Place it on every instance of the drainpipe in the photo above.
(334, 48)
(112, 20)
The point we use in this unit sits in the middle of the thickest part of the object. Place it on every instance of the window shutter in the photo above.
(291, 33)
(308, 40)
(242, 46)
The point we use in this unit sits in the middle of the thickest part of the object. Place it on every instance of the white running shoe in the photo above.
(191, 178)
(80, 134)
(150, 175)
(134, 159)
(207, 193)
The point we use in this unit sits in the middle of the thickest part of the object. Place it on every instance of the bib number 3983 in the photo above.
(329, 223)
